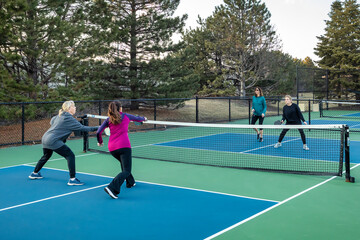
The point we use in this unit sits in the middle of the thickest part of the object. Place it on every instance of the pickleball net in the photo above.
(340, 109)
(237, 146)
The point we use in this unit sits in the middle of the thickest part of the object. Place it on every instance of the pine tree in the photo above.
(44, 42)
(136, 55)
(338, 48)
(239, 45)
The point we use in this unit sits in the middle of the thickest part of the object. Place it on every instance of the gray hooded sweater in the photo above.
(61, 128)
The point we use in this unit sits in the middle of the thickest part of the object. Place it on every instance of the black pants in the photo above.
(123, 155)
(255, 118)
(64, 151)
(284, 131)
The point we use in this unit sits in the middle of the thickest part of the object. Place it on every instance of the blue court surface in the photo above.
(49, 209)
(352, 115)
(220, 142)
(351, 124)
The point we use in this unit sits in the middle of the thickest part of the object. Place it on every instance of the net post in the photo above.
(348, 178)
(85, 136)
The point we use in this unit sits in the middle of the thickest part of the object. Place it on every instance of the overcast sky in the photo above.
(297, 22)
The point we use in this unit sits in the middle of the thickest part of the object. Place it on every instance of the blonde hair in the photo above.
(66, 106)
(288, 96)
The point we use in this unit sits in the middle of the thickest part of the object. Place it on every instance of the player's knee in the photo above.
(71, 155)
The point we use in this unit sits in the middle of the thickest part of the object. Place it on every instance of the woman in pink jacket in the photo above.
(119, 145)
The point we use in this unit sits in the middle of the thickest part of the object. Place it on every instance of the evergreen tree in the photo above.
(43, 43)
(239, 41)
(281, 78)
(338, 48)
(144, 49)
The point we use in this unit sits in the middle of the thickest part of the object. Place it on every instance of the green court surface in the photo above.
(310, 207)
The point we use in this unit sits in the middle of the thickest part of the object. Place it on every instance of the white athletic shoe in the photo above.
(277, 145)
(306, 147)
(111, 194)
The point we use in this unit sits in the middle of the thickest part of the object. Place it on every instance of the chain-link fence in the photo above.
(329, 84)
(25, 122)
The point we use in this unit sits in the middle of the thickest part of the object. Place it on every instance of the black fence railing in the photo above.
(25, 122)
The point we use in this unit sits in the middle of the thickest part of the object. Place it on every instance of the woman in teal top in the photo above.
(258, 110)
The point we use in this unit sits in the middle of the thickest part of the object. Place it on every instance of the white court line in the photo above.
(272, 207)
(62, 158)
(11, 166)
(195, 148)
(246, 152)
(165, 185)
(158, 184)
(56, 159)
(270, 145)
(63, 170)
(184, 139)
(200, 190)
(44, 199)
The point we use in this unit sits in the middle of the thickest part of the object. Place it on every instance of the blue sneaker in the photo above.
(35, 175)
(75, 182)
(111, 194)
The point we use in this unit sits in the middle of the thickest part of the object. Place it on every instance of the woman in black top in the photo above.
(293, 116)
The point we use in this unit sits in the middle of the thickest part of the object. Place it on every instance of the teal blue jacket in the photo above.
(259, 105)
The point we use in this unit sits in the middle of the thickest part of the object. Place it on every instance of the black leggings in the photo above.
(255, 118)
(284, 131)
(64, 151)
(123, 155)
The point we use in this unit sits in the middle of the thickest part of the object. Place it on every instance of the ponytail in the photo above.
(114, 112)
(66, 106)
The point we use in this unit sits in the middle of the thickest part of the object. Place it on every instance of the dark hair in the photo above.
(114, 112)
(260, 90)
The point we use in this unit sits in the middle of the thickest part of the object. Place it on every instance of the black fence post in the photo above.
(297, 84)
(197, 109)
(327, 84)
(229, 109)
(154, 109)
(22, 124)
(309, 111)
(154, 112)
(249, 110)
(85, 135)
(279, 99)
(99, 108)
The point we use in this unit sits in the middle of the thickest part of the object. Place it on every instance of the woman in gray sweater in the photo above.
(55, 137)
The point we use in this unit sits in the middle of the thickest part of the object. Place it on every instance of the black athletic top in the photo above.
(292, 114)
